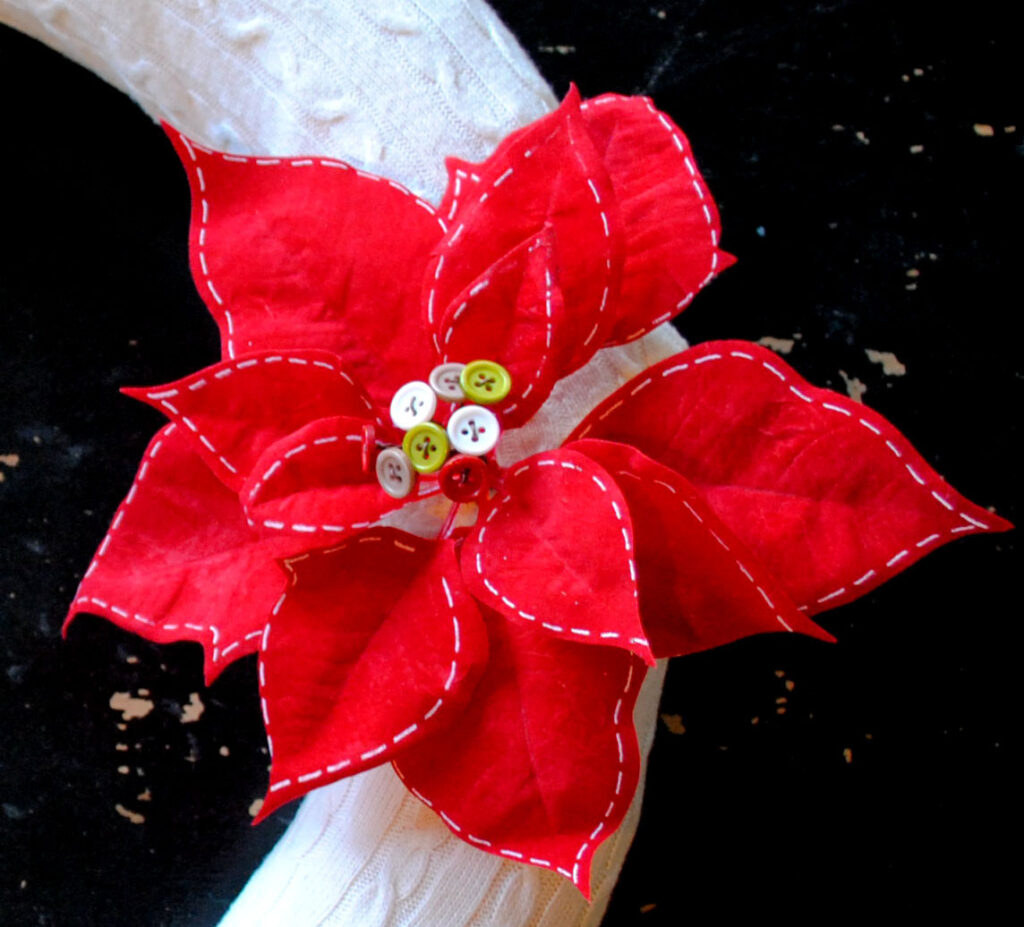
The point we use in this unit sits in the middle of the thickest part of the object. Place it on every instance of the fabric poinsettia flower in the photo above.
(490, 642)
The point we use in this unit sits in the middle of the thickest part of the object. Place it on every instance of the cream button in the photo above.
(395, 473)
(413, 404)
(473, 430)
(444, 380)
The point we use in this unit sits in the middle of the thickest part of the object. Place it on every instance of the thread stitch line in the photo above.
(397, 738)
(972, 523)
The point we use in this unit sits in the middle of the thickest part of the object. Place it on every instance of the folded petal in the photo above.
(463, 176)
(827, 494)
(555, 549)
(236, 409)
(670, 224)
(543, 762)
(318, 482)
(546, 175)
(311, 253)
(374, 646)
(514, 314)
(179, 561)
(700, 587)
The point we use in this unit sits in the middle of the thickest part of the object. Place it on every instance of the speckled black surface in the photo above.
(882, 784)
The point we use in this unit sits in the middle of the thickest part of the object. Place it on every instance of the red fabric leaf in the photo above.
(236, 409)
(463, 176)
(374, 646)
(826, 493)
(555, 549)
(670, 224)
(546, 175)
(179, 561)
(514, 314)
(699, 585)
(544, 762)
(303, 253)
(318, 482)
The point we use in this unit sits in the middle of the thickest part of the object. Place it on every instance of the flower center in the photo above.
(472, 430)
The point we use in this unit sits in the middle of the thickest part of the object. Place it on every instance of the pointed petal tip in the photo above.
(278, 795)
(266, 810)
(998, 524)
(65, 627)
(817, 632)
(183, 146)
(578, 871)
(211, 670)
(725, 260)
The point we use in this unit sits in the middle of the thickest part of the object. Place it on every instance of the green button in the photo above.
(426, 445)
(485, 382)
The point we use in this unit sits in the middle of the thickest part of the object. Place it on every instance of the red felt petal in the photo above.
(463, 176)
(699, 585)
(236, 409)
(826, 493)
(319, 482)
(555, 549)
(669, 221)
(311, 253)
(179, 561)
(374, 646)
(544, 762)
(514, 314)
(546, 175)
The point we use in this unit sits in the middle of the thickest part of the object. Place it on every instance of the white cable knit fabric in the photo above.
(390, 86)
(364, 853)
(393, 87)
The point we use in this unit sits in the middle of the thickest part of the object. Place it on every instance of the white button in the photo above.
(413, 404)
(444, 380)
(473, 430)
(395, 473)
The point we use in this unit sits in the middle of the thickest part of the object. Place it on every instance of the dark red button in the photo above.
(463, 478)
(369, 447)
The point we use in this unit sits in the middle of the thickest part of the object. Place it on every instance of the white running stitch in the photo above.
(620, 719)
(164, 396)
(542, 363)
(696, 181)
(627, 545)
(743, 570)
(600, 414)
(103, 605)
(397, 738)
(192, 147)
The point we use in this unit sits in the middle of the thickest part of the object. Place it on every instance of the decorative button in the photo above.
(463, 478)
(485, 381)
(444, 380)
(473, 430)
(395, 473)
(414, 403)
(369, 446)
(427, 446)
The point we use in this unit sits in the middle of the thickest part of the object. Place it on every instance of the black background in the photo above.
(885, 784)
